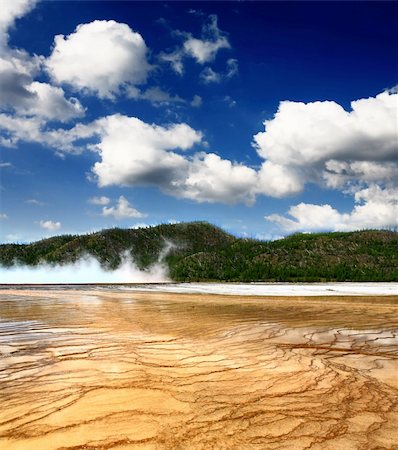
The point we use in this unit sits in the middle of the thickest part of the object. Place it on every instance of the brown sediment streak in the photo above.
(88, 369)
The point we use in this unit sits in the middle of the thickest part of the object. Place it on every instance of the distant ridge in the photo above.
(203, 252)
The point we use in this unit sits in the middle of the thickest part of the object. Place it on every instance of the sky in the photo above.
(264, 118)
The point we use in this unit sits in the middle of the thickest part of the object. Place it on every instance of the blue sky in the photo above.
(264, 118)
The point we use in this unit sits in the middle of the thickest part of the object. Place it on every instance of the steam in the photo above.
(88, 270)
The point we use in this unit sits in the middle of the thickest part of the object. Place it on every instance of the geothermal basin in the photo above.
(85, 367)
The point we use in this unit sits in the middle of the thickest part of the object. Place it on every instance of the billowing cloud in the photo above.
(10, 11)
(277, 180)
(212, 179)
(50, 225)
(20, 94)
(50, 103)
(99, 57)
(375, 208)
(122, 210)
(321, 142)
(33, 129)
(136, 153)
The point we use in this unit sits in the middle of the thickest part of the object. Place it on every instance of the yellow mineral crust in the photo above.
(96, 369)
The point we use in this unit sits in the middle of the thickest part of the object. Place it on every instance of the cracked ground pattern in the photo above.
(96, 369)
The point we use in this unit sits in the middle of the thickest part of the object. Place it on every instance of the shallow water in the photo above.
(84, 368)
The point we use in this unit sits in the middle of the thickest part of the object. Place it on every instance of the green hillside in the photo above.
(201, 251)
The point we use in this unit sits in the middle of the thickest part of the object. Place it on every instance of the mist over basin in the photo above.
(110, 368)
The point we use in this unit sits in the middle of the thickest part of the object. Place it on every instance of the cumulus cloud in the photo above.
(277, 180)
(99, 200)
(50, 225)
(212, 179)
(136, 153)
(33, 129)
(375, 208)
(321, 142)
(122, 210)
(19, 93)
(50, 103)
(10, 11)
(99, 57)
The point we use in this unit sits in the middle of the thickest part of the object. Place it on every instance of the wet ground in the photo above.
(97, 369)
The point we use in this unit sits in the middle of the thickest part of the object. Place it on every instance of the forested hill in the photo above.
(201, 251)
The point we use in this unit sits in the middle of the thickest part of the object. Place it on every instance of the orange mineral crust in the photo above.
(93, 369)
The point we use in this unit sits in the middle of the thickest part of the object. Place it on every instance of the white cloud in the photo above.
(375, 208)
(232, 68)
(212, 179)
(99, 200)
(175, 60)
(338, 174)
(208, 75)
(196, 101)
(50, 225)
(155, 95)
(277, 180)
(25, 97)
(5, 164)
(205, 50)
(33, 129)
(33, 201)
(19, 92)
(132, 153)
(3, 216)
(101, 57)
(10, 11)
(17, 129)
(122, 210)
(136, 153)
(320, 141)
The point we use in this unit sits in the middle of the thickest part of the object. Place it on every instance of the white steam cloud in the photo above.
(87, 270)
